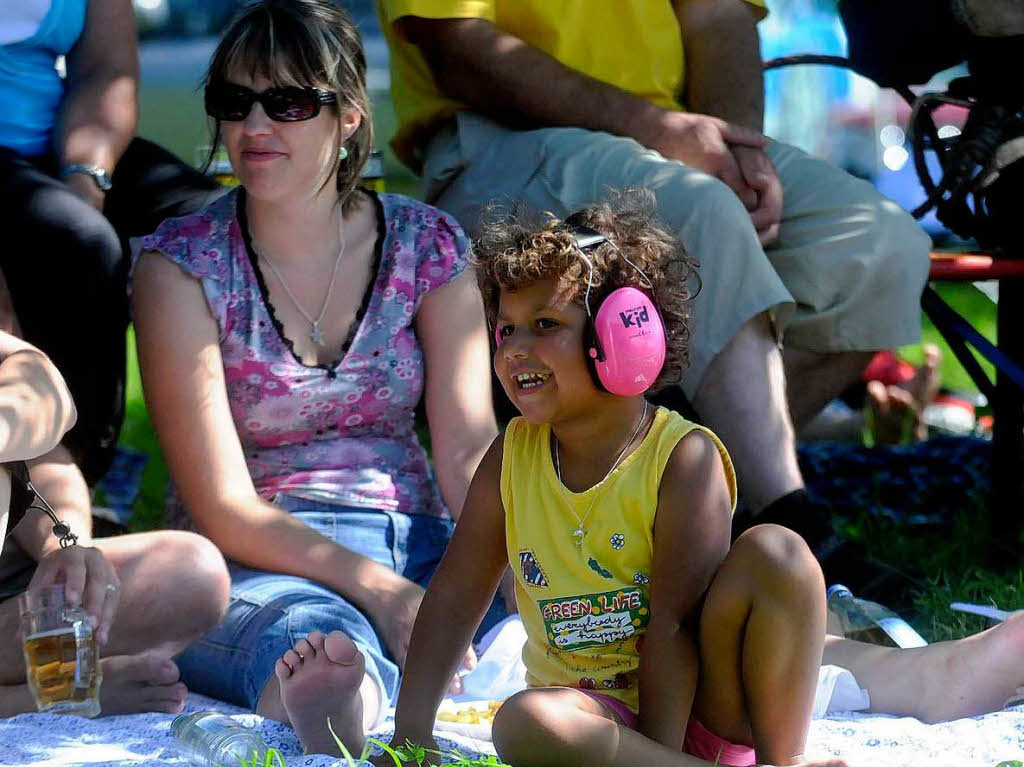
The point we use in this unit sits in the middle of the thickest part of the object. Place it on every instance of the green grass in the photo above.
(137, 432)
(958, 568)
(413, 754)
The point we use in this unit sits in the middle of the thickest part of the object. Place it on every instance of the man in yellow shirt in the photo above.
(806, 271)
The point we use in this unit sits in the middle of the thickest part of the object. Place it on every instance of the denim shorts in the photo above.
(270, 612)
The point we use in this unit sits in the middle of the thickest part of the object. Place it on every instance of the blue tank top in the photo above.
(30, 87)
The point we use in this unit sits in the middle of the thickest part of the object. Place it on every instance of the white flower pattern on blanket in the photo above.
(46, 740)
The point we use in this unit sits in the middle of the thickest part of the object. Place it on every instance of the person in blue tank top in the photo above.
(74, 184)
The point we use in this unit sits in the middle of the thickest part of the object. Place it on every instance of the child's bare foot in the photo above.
(137, 683)
(320, 678)
(898, 409)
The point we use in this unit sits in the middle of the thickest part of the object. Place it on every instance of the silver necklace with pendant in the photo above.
(315, 334)
(580, 532)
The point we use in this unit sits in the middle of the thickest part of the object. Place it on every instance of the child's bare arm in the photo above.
(455, 602)
(691, 538)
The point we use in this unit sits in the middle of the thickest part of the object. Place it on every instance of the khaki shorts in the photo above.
(845, 274)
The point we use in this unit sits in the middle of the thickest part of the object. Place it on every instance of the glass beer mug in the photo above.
(61, 655)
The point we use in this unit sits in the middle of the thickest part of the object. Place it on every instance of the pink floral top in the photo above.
(343, 432)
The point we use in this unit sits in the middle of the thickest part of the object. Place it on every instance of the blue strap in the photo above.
(948, 320)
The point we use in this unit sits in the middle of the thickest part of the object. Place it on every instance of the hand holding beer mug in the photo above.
(61, 654)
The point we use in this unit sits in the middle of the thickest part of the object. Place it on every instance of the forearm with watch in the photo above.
(100, 110)
(97, 125)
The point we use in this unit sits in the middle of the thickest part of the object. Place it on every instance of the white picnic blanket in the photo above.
(46, 740)
(867, 740)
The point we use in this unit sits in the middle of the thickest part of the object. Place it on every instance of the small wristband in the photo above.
(100, 176)
(24, 496)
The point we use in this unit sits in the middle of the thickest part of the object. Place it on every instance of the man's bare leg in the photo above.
(15, 699)
(742, 398)
(896, 409)
(131, 684)
(174, 586)
(815, 379)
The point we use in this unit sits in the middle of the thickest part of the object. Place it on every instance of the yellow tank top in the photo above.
(585, 607)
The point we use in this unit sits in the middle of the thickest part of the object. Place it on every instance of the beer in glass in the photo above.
(61, 655)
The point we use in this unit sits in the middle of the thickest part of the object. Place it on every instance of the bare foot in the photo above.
(320, 678)
(136, 683)
(949, 680)
(898, 409)
(982, 672)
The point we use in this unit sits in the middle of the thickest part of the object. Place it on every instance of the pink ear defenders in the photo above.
(624, 340)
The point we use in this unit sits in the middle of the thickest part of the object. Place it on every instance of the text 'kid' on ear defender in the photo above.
(624, 340)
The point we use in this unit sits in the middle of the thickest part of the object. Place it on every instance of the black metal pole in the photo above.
(1008, 429)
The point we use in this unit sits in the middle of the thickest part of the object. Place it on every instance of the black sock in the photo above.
(800, 514)
(842, 561)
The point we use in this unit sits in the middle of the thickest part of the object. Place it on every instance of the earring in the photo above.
(343, 152)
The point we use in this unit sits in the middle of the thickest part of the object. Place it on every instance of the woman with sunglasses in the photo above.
(286, 334)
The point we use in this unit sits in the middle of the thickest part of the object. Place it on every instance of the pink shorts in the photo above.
(699, 740)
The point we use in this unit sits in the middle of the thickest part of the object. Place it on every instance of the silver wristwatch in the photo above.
(100, 176)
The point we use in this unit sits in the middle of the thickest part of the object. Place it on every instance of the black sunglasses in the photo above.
(232, 103)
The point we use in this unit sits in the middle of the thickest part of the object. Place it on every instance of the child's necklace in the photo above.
(580, 532)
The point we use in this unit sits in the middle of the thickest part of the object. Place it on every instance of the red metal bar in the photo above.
(973, 267)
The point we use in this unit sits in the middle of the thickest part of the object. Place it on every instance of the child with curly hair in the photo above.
(651, 640)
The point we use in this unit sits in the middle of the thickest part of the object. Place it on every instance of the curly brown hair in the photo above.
(516, 248)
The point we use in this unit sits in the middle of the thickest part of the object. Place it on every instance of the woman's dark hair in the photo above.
(306, 43)
(516, 249)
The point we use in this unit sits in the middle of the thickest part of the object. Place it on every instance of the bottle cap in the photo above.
(181, 721)
(837, 588)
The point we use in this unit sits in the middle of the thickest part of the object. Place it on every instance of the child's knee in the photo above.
(530, 722)
(520, 713)
(779, 563)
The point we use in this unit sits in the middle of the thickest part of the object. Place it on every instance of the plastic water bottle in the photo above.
(868, 621)
(215, 740)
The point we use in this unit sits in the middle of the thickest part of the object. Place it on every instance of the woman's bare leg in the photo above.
(174, 587)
